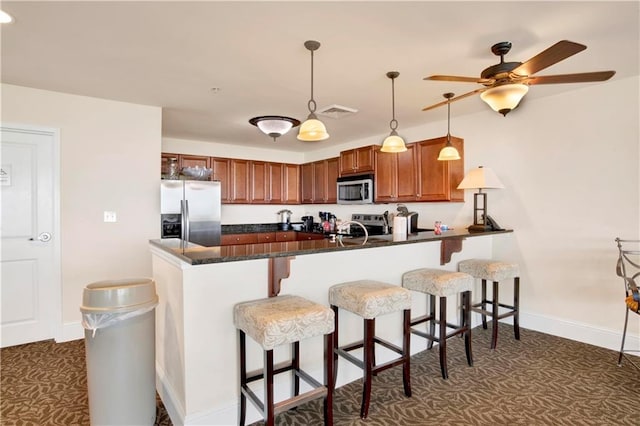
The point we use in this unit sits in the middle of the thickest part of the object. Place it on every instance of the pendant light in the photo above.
(393, 142)
(312, 129)
(448, 153)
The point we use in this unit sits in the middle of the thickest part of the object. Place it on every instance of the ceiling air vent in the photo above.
(336, 111)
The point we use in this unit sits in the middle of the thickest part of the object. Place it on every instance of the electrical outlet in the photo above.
(110, 217)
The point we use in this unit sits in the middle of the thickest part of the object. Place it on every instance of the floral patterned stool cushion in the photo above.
(491, 270)
(368, 298)
(284, 319)
(495, 271)
(277, 321)
(437, 282)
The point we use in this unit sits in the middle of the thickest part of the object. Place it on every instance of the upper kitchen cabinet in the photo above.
(239, 175)
(183, 160)
(266, 181)
(221, 168)
(395, 177)
(319, 181)
(291, 184)
(438, 180)
(359, 160)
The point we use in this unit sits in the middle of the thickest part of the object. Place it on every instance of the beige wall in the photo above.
(109, 153)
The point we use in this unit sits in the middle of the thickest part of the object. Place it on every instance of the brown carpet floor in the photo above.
(539, 380)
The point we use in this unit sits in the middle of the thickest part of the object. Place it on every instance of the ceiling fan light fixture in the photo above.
(274, 125)
(393, 143)
(312, 129)
(449, 152)
(505, 97)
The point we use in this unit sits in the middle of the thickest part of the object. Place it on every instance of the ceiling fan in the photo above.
(506, 83)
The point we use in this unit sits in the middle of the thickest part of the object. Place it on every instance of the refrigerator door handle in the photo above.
(186, 221)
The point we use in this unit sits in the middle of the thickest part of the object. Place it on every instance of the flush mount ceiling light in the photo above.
(312, 129)
(274, 125)
(393, 142)
(448, 153)
(504, 98)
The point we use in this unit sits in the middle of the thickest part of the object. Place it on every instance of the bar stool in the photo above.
(495, 271)
(277, 321)
(439, 283)
(369, 300)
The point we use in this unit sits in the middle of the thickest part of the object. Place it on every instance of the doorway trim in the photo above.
(57, 329)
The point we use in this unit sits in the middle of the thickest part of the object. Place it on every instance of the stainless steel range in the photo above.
(376, 224)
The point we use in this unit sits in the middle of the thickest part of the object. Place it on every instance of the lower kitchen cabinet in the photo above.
(302, 236)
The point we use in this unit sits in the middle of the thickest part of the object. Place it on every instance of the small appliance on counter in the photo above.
(376, 224)
(285, 219)
(307, 224)
(412, 218)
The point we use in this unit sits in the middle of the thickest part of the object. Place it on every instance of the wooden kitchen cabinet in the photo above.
(221, 172)
(319, 181)
(282, 236)
(265, 237)
(303, 236)
(438, 180)
(184, 160)
(291, 184)
(239, 174)
(358, 160)
(395, 177)
(233, 239)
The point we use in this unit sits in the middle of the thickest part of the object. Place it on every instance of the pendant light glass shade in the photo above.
(449, 152)
(312, 129)
(393, 143)
(504, 98)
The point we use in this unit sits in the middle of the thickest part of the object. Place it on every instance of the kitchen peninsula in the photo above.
(196, 341)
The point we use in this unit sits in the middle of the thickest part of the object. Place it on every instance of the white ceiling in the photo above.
(171, 54)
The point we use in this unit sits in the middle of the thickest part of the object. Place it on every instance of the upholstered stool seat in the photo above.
(277, 321)
(370, 299)
(441, 284)
(495, 271)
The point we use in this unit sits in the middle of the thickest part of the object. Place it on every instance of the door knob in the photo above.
(44, 237)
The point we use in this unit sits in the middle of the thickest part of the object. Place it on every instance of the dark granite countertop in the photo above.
(197, 255)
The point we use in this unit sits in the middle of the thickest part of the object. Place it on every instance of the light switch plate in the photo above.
(110, 217)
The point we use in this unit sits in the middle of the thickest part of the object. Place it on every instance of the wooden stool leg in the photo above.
(432, 321)
(269, 414)
(243, 377)
(369, 327)
(466, 324)
(335, 343)
(494, 310)
(328, 378)
(442, 338)
(295, 365)
(406, 352)
(516, 307)
(484, 303)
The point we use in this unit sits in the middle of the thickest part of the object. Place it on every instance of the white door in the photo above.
(30, 287)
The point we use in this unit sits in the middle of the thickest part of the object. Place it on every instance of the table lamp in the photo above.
(480, 178)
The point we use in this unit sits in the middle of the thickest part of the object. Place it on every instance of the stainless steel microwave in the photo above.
(355, 189)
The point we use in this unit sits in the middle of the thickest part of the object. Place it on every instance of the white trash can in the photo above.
(119, 322)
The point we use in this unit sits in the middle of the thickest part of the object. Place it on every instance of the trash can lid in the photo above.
(118, 295)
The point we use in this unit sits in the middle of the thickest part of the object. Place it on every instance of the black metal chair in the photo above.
(628, 268)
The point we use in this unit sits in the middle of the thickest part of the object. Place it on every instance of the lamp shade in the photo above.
(480, 178)
(393, 143)
(448, 153)
(313, 130)
(505, 97)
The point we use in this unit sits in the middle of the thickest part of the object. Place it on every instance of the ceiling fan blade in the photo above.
(584, 77)
(554, 54)
(455, 78)
(457, 98)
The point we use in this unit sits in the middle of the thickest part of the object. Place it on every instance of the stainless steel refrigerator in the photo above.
(190, 210)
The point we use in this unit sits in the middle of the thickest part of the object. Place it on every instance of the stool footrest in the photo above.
(457, 330)
(290, 403)
(282, 367)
